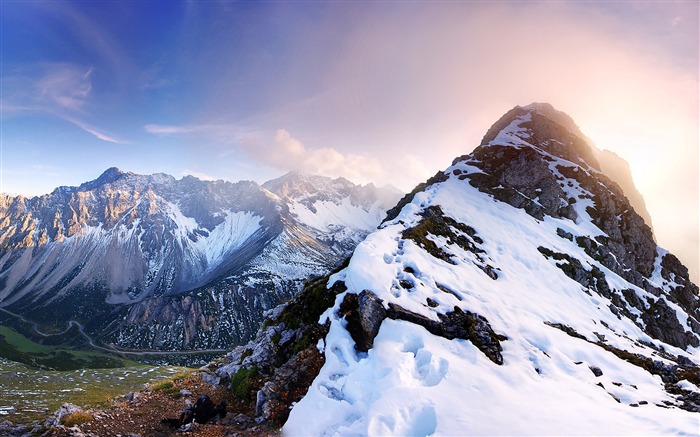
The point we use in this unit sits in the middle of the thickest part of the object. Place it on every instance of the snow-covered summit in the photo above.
(516, 293)
(555, 272)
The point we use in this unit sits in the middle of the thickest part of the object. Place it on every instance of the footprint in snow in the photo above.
(429, 370)
(416, 420)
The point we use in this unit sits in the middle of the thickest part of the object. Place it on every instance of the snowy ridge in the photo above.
(563, 313)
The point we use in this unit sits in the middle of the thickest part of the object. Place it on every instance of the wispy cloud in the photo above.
(95, 38)
(67, 86)
(99, 135)
(61, 90)
(160, 129)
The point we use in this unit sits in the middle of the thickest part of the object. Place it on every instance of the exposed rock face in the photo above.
(619, 171)
(284, 356)
(535, 159)
(365, 314)
(155, 262)
(64, 410)
(460, 324)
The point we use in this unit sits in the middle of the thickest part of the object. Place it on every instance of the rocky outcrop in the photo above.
(65, 410)
(461, 324)
(522, 178)
(654, 316)
(275, 369)
(364, 313)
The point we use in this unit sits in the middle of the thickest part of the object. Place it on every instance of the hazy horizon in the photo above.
(383, 92)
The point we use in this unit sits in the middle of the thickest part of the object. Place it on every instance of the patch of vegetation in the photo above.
(70, 337)
(19, 342)
(314, 299)
(436, 223)
(181, 376)
(77, 418)
(302, 344)
(242, 380)
(164, 384)
(246, 353)
(691, 375)
(33, 391)
(636, 359)
(276, 337)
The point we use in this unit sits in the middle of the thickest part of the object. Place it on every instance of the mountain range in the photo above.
(517, 292)
(151, 262)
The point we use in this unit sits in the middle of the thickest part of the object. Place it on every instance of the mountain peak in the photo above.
(112, 174)
(541, 126)
(299, 185)
(557, 116)
(574, 294)
(109, 176)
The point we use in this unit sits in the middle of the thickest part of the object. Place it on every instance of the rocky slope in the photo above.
(155, 262)
(516, 292)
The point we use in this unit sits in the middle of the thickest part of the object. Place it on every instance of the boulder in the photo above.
(63, 410)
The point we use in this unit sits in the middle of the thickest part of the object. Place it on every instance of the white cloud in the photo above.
(100, 135)
(282, 151)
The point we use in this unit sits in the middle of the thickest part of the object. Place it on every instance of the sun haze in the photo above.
(388, 92)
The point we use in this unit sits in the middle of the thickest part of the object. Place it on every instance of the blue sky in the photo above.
(387, 92)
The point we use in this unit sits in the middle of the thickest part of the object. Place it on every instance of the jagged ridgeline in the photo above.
(151, 262)
(517, 292)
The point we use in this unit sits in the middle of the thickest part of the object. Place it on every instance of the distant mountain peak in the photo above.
(302, 186)
(109, 176)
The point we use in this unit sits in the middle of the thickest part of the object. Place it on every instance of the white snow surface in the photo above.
(225, 238)
(412, 383)
(333, 215)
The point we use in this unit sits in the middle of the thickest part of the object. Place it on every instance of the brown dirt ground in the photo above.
(142, 416)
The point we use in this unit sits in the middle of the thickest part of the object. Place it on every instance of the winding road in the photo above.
(112, 349)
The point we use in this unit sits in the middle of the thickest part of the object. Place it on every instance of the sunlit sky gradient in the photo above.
(388, 92)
